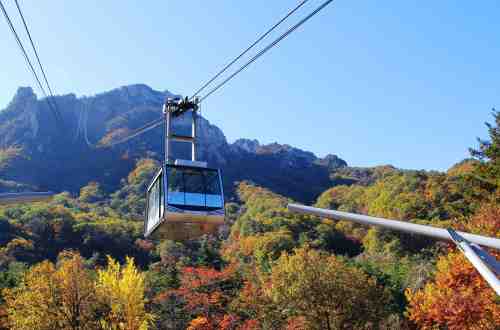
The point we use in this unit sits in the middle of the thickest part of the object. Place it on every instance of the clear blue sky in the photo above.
(409, 83)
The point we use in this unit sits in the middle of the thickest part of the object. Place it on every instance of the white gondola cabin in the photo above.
(185, 199)
(184, 202)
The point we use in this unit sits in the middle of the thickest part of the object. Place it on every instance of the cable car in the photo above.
(185, 199)
(25, 197)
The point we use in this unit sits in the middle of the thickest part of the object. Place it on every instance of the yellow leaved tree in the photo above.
(53, 298)
(120, 291)
(66, 296)
(323, 292)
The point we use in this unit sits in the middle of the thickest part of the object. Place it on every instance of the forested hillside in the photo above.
(80, 261)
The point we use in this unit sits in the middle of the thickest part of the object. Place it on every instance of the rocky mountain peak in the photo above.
(24, 93)
(247, 145)
(286, 151)
(332, 162)
(143, 91)
(24, 96)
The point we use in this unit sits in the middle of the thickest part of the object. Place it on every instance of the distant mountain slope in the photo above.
(35, 151)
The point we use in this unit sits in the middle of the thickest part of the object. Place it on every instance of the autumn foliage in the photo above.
(81, 262)
(65, 296)
(53, 298)
(206, 294)
(120, 289)
(323, 292)
(458, 297)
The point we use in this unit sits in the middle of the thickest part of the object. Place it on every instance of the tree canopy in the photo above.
(81, 262)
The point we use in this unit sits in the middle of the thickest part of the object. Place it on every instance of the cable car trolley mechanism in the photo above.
(185, 199)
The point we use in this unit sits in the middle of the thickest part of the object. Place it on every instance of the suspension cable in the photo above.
(85, 124)
(28, 62)
(159, 122)
(147, 127)
(37, 57)
(290, 13)
(268, 47)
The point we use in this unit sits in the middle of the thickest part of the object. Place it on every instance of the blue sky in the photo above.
(408, 83)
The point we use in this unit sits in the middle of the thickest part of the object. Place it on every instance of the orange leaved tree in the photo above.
(458, 297)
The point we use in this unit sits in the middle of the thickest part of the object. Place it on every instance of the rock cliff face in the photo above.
(34, 150)
(245, 145)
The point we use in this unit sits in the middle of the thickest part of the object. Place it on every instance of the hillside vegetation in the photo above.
(80, 261)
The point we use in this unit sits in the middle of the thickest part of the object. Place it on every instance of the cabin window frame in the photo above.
(156, 183)
(202, 171)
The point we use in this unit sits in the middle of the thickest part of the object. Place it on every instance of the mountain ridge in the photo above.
(34, 151)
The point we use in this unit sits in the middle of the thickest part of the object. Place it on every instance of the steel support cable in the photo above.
(159, 122)
(37, 58)
(85, 125)
(268, 47)
(78, 125)
(86, 106)
(137, 132)
(265, 34)
(30, 65)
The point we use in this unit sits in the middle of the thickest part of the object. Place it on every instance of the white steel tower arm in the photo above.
(485, 264)
(467, 243)
(411, 228)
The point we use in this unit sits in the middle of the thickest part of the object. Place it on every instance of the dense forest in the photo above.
(80, 261)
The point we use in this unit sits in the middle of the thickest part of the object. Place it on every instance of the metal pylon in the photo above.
(174, 108)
